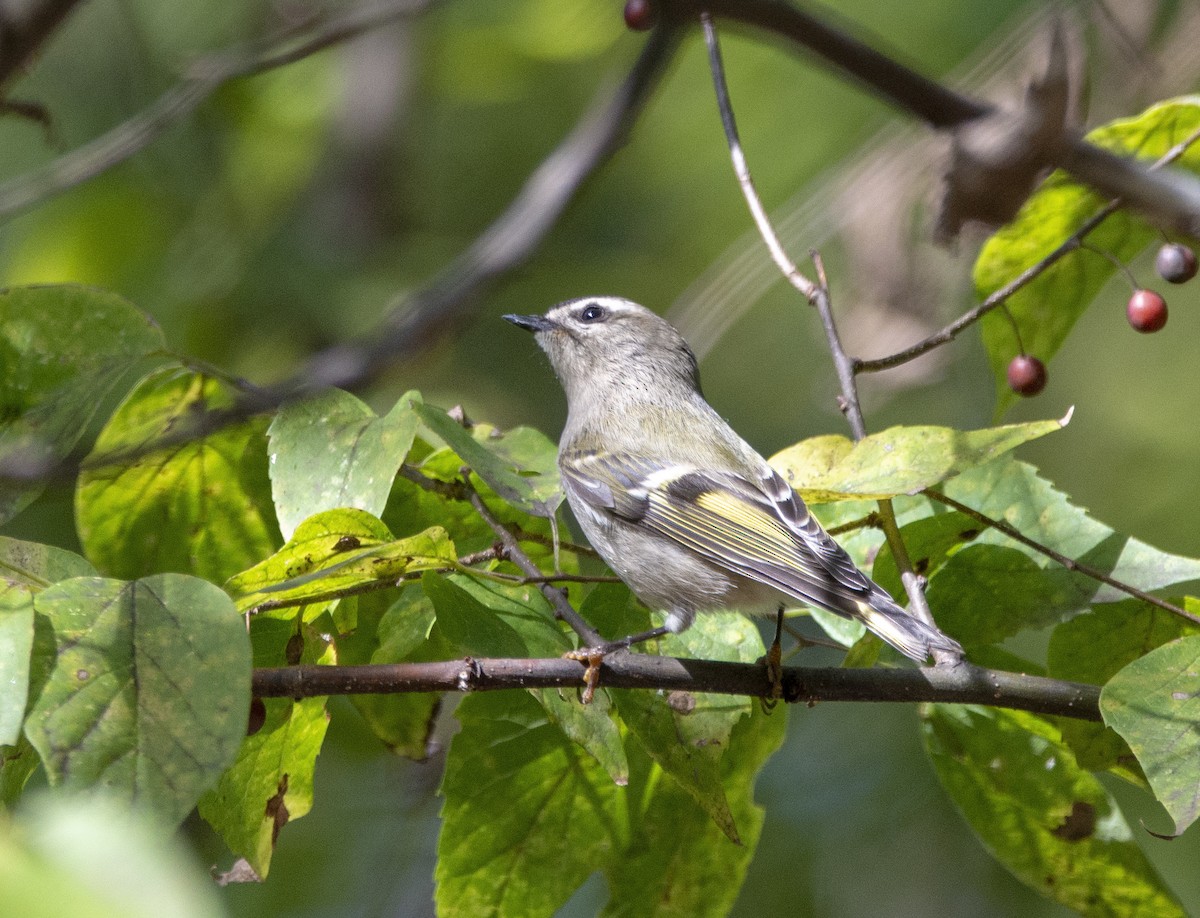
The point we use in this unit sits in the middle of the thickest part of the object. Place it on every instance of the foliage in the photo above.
(139, 688)
(329, 535)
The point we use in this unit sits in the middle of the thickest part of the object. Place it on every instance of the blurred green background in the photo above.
(294, 207)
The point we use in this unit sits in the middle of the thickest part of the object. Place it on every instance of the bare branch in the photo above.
(962, 684)
(448, 299)
(1170, 198)
(557, 598)
(206, 75)
(742, 170)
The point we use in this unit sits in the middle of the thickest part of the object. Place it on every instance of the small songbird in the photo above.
(680, 506)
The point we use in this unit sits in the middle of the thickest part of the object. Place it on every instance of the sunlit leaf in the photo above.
(202, 506)
(1154, 703)
(992, 586)
(334, 553)
(1048, 821)
(333, 451)
(899, 460)
(63, 351)
(148, 696)
(270, 782)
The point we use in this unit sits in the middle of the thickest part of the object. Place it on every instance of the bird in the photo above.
(677, 504)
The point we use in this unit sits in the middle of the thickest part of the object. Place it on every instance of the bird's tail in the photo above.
(908, 634)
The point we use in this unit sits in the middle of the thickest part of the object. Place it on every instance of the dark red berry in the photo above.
(258, 716)
(1026, 375)
(1175, 263)
(639, 15)
(1147, 311)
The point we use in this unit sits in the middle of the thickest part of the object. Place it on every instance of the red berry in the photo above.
(1175, 263)
(1147, 311)
(639, 15)
(1026, 375)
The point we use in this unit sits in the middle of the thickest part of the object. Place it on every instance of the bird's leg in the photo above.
(774, 663)
(594, 656)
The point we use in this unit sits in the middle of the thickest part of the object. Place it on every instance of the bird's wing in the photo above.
(758, 528)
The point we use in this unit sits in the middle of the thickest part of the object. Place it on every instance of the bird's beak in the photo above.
(532, 323)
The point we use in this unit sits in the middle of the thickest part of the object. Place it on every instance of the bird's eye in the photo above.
(593, 312)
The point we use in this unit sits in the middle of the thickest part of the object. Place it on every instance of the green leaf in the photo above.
(16, 644)
(63, 351)
(271, 781)
(993, 587)
(200, 507)
(1046, 309)
(148, 696)
(25, 568)
(528, 815)
(97, 859)
(483, 619)
(688, 737)
(1093, 648)
(333, 451)
(395, 632)
(35, 566)
(331, 554)
(521, 466)
(929, 542)
(17, 765)
(593, 726)
(678, 862)
(900, 460)
(1154, 703)
(1048, 821)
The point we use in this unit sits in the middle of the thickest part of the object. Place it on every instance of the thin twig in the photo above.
(562, 608)
(742, 170)
(1069, 563)
(818, 295)
(962, 684)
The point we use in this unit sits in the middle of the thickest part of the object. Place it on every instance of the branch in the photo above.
(962, 684)
(447, 299)
(206, 75)
(818, 295)
(1170, 198)
(557, 598)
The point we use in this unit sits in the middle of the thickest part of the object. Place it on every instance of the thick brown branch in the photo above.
(935, 104)
(962, 684)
